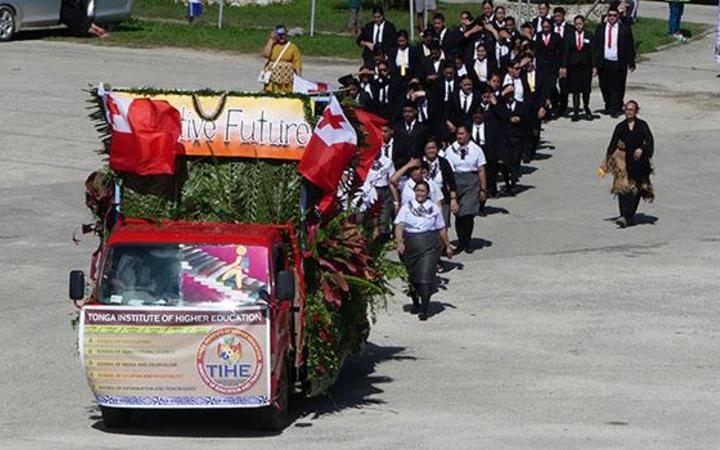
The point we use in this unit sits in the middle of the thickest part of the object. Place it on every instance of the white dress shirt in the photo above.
(466, 101)
(559, 29)
(481, 69)
(378, 33)
(611, 52)
(435, 174)
(469, 158)
(402, 59)
(420, 218)
(517, 85)
(408, 192)
(477, 133)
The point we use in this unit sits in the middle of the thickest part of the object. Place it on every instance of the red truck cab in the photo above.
(193, 315)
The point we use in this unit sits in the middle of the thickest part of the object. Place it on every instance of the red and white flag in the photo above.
(303, 86)
(144, 136)
(331, 147)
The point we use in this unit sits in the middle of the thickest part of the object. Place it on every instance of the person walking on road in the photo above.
(676, 11)
(629, 159)
(577, 64)
(420, 236)
(614, 56)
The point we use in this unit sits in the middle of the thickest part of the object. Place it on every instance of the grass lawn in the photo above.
(161, 23)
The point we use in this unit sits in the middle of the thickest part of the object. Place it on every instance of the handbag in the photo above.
(266, 74)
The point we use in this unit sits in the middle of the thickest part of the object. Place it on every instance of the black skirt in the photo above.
(579, 78)
(386, 206)
(422, 252)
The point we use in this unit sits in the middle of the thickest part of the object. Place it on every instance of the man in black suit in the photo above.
(409, 136)
(443, 92)
(386, 92)
(565, 31)
(377, 34)
(448, 39)
(549, 47)
(495, 148)
(432, 66)
(401, 58)
(464, 104)
(543, 9)
(614, 55)
(535, 100)
(516, 128)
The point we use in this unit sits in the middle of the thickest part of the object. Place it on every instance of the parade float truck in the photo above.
(197, 295)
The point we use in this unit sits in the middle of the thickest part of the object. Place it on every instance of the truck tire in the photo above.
(272, 417)
(115, 417)
(7, 23)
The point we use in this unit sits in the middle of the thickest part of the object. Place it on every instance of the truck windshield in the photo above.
(184, 275)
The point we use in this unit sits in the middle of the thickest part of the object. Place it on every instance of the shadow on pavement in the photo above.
(358, 386)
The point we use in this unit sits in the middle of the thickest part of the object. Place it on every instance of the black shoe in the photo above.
(415, 308)
(459, 249)
(576, 117)
(622, 222)
(588, 112)
(422, 316)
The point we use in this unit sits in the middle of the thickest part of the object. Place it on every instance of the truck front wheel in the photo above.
(275, 416)
(115, 417)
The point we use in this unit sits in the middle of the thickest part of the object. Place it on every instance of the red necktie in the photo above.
(579, 41)
(609, 38)
(557, 30)
(546, 39)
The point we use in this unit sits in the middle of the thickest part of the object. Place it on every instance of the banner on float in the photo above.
(163, 357)
(245, 126)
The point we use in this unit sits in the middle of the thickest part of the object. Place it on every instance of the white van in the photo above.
(16, 15)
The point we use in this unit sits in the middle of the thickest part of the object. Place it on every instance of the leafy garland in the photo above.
(346, 276)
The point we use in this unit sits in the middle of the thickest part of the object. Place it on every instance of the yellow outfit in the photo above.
(291, 56)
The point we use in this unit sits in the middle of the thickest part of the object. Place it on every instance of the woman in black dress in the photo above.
(628, 157)
(577, 66)
(76, 15)
(421, 236)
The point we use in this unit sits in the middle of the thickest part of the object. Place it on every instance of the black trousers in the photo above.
(420, 294)
(464, 228)
(491, 171)
(559, 96)
(612, 78)
(628, 205)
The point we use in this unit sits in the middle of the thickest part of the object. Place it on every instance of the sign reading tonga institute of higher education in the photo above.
(160, 357)
(238, 126)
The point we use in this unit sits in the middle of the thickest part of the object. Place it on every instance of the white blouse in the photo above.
(420, 218)
(468, 158)
(408, 192)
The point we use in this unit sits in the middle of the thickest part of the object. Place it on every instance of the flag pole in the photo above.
(220, 14)
(312, 18)
(412, 20)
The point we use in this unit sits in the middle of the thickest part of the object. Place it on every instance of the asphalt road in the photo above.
(561, 332)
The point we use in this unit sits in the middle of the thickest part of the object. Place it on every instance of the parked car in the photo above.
(17, 15)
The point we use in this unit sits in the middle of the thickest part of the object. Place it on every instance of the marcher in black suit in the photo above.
(443, 91)
(358, 94)
(613, 58)
(402, 58)
(495, 148)
(481, 66)
(464, 103)
(386, 92)
(409, 136)
(515, 114)
(432, 66)
(543, 9)
(448, 39)
(564, 30)
(548, 54)
(536, 96)
(377, 34)
(577, 66)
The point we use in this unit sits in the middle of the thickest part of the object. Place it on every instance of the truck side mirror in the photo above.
(77, 285)
(285, 285)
